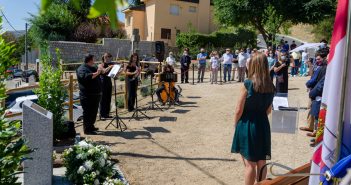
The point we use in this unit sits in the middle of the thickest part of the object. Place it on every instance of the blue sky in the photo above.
(17, 11)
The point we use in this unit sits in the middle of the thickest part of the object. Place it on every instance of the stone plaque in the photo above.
(38, 131)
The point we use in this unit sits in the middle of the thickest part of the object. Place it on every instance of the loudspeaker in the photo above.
(160, 50)
(135, 31)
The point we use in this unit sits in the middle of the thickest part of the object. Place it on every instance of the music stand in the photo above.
(119, 122)
(137, 110)
(153, 105)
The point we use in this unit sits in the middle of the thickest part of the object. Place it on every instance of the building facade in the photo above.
(162, 20)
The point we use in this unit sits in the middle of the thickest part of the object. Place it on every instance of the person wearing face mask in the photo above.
(281, 71)
(105, 103)
(170, 59)
(227, 59)
(214, 66)
(90, 92)
(201, 57)
(242, 65)
(271, 63)
(185, 62)
(235, 64)
(304, 63)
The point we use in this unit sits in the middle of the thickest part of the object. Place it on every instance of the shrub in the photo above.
(120, 102)
(13, 149)
(51, 92)
(88, 163)
(194, 41)
(58, 23)
(85, 32)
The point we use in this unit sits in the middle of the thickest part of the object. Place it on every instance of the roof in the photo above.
(135, 8)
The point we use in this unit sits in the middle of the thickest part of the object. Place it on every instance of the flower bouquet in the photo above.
(88, 163)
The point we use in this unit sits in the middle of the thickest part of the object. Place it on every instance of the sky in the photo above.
(17, 11)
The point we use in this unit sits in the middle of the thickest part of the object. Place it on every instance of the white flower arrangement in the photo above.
(88, 163)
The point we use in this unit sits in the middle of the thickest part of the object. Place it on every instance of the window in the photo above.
(128, 21)
(192, 9)
(174, 10)
(177, 32)
(166, 33)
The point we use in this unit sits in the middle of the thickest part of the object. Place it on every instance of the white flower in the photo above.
(91, 151)
(102, 162)
(70, 150)
(88, 165)
(105, 155)
(96, 182)
(93, 174)
(97, 172)
(79, 156)
(83, 144)
(81, 170)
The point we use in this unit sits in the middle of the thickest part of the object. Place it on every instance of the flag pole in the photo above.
(343, 85)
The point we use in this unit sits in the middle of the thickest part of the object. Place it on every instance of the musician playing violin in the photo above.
(105, 103)
(167, 69)
(132, 72)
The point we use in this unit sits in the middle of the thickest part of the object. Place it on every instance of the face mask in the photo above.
(283, 58)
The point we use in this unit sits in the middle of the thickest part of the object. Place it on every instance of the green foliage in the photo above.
(51, 93)
(13, 149)
(88, 163)
(120, 101)
(100, 7)
(80, 9)
(58, 23)
(221, 39)
(256, 13)
(324, 29)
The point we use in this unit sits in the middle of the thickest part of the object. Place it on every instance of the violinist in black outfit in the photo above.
(90, 92)
(106, 82)
(132, 72)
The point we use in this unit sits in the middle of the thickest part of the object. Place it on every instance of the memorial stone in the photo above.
(38, 131)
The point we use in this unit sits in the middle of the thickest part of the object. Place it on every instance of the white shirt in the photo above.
(170, 60)
(304, 56)
(242, 59)
(227, 58)
(214, 62)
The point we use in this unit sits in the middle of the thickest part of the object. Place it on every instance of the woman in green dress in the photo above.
(252, 138)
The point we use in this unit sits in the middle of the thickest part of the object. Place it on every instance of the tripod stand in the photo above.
(119, 122)
(153, 105)
(137, 110)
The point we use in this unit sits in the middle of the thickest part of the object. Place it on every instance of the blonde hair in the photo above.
(259, 74)
(213, 53)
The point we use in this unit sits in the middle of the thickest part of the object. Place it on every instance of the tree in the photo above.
(259, 13)
(13, 148)
(324, 29)
(58, 23)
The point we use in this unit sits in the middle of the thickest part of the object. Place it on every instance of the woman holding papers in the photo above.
(252, 138)
(106, 83)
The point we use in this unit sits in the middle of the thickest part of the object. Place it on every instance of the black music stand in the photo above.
(119, 121)
(137, 110)
(169, 78)
(153, 104)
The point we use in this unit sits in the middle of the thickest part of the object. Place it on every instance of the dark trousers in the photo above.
(105, 103)
(201, 72)
(90, 105)
(132, 88)
(184, 74)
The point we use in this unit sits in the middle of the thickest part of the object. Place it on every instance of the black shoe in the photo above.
(181, 82)
(103, 118)
(198, 81)
(186, 82)
(90, 132)
(130, 110)
(94, 129)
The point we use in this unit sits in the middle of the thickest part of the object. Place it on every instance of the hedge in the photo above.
(216, 40)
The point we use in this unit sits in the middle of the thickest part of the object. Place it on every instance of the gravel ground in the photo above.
(190, 144)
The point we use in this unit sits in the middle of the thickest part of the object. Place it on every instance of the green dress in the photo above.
(252, 138)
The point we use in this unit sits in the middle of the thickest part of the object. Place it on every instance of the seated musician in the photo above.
(167, 69)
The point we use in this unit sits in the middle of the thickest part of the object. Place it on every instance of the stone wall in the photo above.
(75, 51)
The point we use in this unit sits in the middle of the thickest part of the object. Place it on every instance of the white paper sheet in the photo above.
(280, 101)
(114, 71)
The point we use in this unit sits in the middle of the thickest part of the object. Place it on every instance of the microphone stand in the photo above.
(137, 110)
(153, 103)
(119, 121)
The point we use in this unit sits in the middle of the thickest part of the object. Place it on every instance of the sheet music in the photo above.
(280, 101)
(114, 71)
